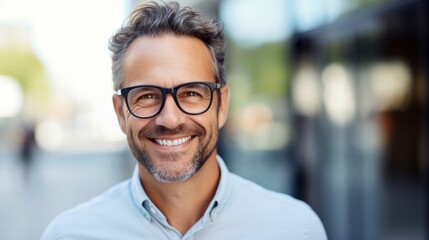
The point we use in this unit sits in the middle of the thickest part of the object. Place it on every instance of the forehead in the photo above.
(167, 60)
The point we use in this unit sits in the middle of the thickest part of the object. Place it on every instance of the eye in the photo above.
(144, 96)
(147, 96)
(191, 94)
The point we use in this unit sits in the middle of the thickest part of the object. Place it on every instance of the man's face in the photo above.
(172, 145)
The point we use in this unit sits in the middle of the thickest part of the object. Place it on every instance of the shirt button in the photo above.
(153, 210)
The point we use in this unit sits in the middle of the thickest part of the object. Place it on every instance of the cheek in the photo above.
(135, 125)
(208, 121)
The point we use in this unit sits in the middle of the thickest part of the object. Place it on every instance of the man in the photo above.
(172, 98)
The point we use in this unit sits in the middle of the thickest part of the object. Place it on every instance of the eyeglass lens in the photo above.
(191, 98)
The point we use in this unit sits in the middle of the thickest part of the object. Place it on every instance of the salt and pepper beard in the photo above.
(202, 154)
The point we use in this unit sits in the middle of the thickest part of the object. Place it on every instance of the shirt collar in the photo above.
(223, 192)
(138, 194)
(218, 202)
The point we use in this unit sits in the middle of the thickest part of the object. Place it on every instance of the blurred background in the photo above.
(329, 104)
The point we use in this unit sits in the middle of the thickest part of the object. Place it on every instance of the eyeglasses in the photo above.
(146, 101)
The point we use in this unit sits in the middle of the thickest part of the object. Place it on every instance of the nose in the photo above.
(170, 116)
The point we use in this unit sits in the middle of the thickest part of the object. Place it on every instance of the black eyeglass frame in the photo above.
(173, 91)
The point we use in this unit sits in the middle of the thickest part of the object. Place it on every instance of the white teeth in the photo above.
(174, 142)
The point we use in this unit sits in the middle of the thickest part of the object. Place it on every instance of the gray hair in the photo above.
(158, 18)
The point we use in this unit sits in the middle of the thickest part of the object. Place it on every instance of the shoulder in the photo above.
(277, 209)
(97, 213)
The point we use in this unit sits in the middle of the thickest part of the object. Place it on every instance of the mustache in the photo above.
(161, 131)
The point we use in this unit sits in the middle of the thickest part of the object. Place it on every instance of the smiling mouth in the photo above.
(172, 142)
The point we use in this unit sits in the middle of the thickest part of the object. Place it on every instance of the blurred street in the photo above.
(31, 196)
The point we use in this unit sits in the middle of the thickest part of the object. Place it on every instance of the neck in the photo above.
(183, 203)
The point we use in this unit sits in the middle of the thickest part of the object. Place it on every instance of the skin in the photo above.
(168, 61)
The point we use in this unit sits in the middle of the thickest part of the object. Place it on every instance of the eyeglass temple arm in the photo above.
(219, 85)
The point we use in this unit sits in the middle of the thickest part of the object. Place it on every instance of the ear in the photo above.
(119, 110)
(224, 105)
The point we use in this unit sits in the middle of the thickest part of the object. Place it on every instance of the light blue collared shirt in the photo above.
(240, 209)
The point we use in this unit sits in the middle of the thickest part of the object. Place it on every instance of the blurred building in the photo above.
(359, 94)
